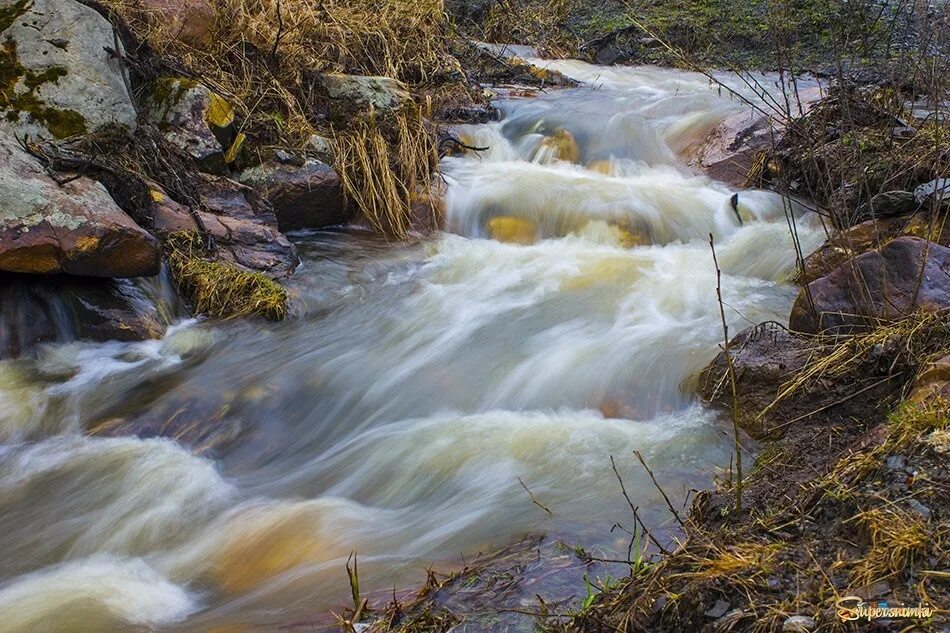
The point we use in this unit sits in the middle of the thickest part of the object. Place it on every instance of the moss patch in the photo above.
(221, 289)
(8, 15)
(61, 122)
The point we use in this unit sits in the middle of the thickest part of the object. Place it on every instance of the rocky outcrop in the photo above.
(73, 228)
(904, 275)
(349, 94)
(194, 119)
(241, 223)
(62, 309)
(58, 76)
(305, 193)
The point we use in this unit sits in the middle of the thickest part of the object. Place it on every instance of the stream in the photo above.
(217, 479)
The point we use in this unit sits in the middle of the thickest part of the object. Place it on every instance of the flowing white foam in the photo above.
(100, 593)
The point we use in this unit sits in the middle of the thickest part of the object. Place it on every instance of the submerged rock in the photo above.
(73, 228)
(305, 196)
(906, 274)
(194, 119)
(60, 73)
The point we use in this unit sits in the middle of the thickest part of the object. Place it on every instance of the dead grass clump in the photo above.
(898, 539)
(384, 162)
(539, 23)
(220, 289)
(741, 561)
(906, 343)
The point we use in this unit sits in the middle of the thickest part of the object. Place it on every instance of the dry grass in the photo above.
(384, 164)
(263, 56)
(219, 289)
(540, 23)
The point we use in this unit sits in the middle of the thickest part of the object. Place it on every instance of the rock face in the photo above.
(906, 274)
(347, 93)
(890, 203)
(75, 228)
(61, 309)
(304, 196)
(241, 223)
(58, 80)
(190, 21)
(193, 119)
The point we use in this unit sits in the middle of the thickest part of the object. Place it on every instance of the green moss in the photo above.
(9, 14)
(61, 122)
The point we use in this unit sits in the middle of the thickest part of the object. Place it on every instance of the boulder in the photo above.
(304, 196)
(905, 274)
(889, 203)
(73, 228)
(241, 223)
(190, 21)
(62, 309)
(349, 94)
(732, 148)
(59, 77)
(194, 119)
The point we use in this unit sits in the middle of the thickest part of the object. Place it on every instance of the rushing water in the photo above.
(396, 413)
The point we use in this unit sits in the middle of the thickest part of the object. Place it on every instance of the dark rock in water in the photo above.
(74, 227)
(305, 196)
(906, 274)
(890, 203)
(764, 358)
(62, 309)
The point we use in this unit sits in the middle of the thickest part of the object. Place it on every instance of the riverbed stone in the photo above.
(905, 274)
(60, 73)
(304, 196)
(194, 119)
(731, 149)
(73, 228)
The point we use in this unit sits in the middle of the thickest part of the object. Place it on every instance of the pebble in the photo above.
(718, 610)
(799, 623)
(896, 462)
(920, 509)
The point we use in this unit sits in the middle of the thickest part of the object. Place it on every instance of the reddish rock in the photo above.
(240, 221)
(74, 228)
(304, 196)
(906, 274)
(933, 382)
(191, 21)
(730, 150)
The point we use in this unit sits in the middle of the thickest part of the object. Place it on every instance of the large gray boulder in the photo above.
(356, 94)
(74, 227)
(904, 275)
(58, 77)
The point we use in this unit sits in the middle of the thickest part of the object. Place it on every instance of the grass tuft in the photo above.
(221, 289)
